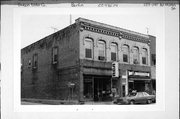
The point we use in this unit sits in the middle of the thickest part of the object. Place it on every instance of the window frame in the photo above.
(87, 39)
(136, 59)
(145, 52)
(53, 55)
(116, 48)
(124, 53)
(35, 61)
(104, 50)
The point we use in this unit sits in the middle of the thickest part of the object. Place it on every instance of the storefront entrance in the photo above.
(97, 88)
(140, 85)
(102, 89)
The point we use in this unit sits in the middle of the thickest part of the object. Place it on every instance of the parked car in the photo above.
(136, 97)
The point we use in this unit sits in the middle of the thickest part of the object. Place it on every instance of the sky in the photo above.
(37, 26)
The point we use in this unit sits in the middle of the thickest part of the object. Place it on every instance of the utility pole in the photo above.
(70, 19)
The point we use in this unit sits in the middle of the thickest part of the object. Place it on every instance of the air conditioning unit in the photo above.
(135, 61)
(101, 58)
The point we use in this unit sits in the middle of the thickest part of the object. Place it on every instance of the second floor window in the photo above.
(113, 52)
(125, 49)
(153, 59)
(101, 50)
(35, 61)
(55, 55)
(88, 48)
(144, 56)
(135, 55)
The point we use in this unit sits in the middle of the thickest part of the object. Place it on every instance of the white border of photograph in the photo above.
(160, 60)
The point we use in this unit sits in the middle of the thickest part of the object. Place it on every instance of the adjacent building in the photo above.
(76, 63)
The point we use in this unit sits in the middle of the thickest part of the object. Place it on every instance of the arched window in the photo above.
(88, 48)
(113, 52)
(144, 56)
(135, 55)
(125, 49)
(101, 50)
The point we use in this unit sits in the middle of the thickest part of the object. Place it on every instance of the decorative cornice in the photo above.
(113, 32)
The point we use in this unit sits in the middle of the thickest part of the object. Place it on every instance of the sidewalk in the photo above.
(51, 102)
(61, 102)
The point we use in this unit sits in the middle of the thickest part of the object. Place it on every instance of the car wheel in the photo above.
(131, 102)
(149, 101)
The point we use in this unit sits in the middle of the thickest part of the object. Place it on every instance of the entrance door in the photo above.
(124, 90)
(102, 89)
(88, 89)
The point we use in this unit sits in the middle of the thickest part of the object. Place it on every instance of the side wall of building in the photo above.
(50, 80)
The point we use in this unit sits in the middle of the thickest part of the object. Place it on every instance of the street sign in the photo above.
(115, 69)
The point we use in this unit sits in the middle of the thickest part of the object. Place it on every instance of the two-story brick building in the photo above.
(76, 63)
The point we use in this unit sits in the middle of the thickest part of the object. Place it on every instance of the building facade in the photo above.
(76, 63)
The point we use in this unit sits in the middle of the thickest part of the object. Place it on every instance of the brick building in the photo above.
(76, 63)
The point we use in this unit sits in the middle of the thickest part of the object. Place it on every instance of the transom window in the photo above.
(113, 52)
(88, 48)
(135, 55)
(144, 56)
(125, 49)
(101, 50)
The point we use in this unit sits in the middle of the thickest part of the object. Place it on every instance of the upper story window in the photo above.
(125, 49)
(144, 56)
(22, 61)
(135, 55)
(35, 61)
(113, 52)
(153, 59)
(55, 55)
(101, 50)
(88, 48)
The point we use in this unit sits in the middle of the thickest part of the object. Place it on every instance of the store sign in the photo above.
(115, 69)
(133, 73)
(124, 76)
